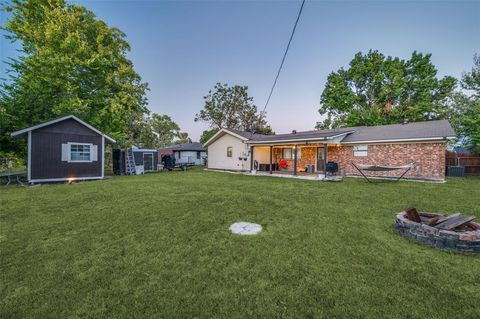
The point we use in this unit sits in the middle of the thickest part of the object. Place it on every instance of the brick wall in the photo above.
(430, 159)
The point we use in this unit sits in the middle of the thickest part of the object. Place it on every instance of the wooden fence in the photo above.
(469, 161)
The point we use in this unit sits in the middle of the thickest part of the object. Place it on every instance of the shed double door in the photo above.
(147, 162)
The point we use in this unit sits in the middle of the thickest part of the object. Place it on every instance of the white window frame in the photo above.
(229, 151)
(79, 161)
(360, 150)
(292, 153)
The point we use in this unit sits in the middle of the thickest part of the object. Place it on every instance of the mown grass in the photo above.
(158, 246)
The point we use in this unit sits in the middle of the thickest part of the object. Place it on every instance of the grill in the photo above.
(332, 167)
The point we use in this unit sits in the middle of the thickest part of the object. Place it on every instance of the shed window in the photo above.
(360, 150)
(229, 151)
(79, 152)
(198, 155)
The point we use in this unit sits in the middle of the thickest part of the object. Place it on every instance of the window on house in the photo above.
(80, 152)
(229, 151)
(198, 155)
(288, 153)
(360, 150)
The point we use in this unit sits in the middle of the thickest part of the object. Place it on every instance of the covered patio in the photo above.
(302, 153)
(306, 159)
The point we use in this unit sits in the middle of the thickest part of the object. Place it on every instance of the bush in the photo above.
(10, 160)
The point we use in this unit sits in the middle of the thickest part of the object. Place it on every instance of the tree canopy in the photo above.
(182, 137)
(376, 90)
(207, 134)
(152, 131)
(465, 109)
(165, 128)
(232, 107)
(70, 63)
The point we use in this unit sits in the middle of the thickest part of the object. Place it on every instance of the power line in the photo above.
(284, 56)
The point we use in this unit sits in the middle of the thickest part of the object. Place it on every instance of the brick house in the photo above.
(302, 153)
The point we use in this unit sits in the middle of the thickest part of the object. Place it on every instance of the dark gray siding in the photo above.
(46, 148)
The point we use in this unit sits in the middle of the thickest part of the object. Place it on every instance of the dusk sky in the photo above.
(182, 48)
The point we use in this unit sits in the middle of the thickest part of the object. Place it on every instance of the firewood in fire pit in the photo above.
(433, 221)
(442, 219)
(412, 214)
(455, 222)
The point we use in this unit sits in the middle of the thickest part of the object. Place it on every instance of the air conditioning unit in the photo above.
(456, 171)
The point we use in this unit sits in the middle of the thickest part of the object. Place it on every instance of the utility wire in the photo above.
(284, 56)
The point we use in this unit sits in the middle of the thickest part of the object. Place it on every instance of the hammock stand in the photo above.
(379, 168)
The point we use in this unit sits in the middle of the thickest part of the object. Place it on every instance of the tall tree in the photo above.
(232, 107)
(207, 134)
(165, 127)
(142, 134)
(183, 138)
(70, 63)
(465, 110)
(377, 90)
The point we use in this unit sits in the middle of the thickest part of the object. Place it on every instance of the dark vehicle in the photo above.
(169, 163)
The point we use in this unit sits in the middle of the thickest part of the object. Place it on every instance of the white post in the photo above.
(29, 159)
(103, 156)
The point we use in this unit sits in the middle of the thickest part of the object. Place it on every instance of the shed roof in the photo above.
(73, 117)
(195, 146)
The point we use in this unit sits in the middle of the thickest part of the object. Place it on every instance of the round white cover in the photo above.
(245, 228)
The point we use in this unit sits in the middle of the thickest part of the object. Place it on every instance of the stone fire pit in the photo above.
(465, 238)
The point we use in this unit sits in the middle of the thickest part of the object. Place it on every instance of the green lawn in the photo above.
(158, 246)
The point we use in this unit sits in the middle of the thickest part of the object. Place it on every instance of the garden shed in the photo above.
(64, 149)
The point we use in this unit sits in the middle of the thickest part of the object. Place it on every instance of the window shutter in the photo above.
(94, 153)
(65, 152)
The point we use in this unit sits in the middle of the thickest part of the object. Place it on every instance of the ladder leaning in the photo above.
(129, 162)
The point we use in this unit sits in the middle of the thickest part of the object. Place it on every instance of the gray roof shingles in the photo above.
(417, 130)
(247, 135)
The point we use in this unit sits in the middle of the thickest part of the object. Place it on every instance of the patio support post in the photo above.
(251, 159)
(325, 159)
(295, 160)
(271, 157)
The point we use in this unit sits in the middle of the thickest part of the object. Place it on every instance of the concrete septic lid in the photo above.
(245, 228)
